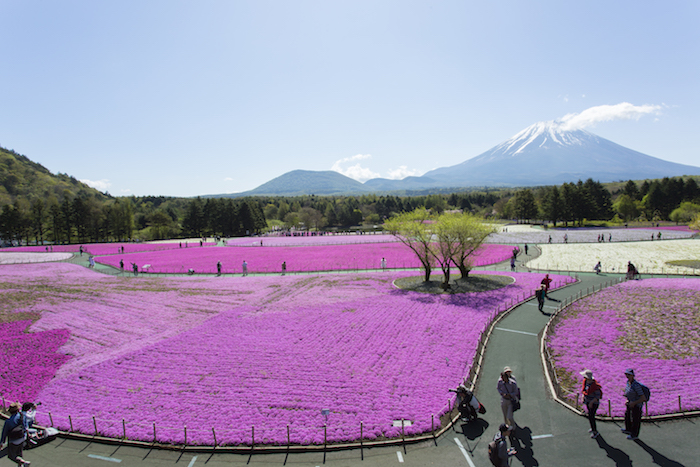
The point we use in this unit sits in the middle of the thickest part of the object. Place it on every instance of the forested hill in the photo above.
(21, 178)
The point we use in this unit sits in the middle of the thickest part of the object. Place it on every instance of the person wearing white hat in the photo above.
(510, 396)
(592, 394)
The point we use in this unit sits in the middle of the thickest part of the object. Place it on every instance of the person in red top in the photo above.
(546, 281)
(592, 394)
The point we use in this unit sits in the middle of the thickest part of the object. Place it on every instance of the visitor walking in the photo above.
(592, 394)
(135, 267)
(218, 268)
(91, 262)
(566, 238)
(245, 268)
(546, 281)
(525, 248)
(510, 395)
(634, 392)
(512, 263)
(539, 294)
(383, 263)
(499, 453)
(121, 265)
(284, 267)
(597, 268)
(15, 430)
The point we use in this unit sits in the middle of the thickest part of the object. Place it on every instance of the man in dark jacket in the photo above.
(15, 430)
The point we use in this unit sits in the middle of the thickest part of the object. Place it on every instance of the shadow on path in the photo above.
(523, 451)
(658, 458)
(620, 457)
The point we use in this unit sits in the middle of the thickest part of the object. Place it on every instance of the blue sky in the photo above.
(189, 98)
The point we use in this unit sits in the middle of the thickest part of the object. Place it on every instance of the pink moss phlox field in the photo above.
(298, 259)
(310, 240)
(231, 353)
(651, 325)
(109, 248)
(29, 360)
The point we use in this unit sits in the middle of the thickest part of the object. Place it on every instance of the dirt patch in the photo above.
(473, 283)
(688, 263)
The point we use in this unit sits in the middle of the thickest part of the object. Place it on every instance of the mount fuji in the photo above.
(545, 154)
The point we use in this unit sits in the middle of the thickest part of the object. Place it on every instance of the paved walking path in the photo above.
(548, 434)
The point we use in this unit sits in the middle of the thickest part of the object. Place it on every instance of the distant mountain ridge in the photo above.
(542, 154)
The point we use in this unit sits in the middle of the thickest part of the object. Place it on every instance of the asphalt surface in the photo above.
(547, 434)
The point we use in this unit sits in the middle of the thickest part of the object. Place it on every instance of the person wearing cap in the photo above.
(592, 393)
(15, 446)
(635, 399)
(510, 394)
(501, 439)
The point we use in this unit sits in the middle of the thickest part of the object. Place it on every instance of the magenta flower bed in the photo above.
(29, 360)
(108, 248)
(311, 240)
(649, 325)
(232, 353)
(298, 259)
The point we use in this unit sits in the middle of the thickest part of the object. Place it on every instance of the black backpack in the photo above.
(645, 390)
(18, 431)
(493, 452)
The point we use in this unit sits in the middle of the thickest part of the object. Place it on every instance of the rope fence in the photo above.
(565, 396)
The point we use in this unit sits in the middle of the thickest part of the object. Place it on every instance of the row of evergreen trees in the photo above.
(84, 217)
(655, 200)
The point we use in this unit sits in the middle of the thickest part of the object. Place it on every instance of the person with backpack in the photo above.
(592, 394)
(15, 430)
(636, 394)
(499, 453)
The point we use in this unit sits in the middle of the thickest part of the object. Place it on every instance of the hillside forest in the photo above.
(37, 206)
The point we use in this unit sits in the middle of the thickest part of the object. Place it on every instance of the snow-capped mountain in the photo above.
(545, 153)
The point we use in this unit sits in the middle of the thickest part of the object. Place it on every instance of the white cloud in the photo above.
(606, 113)
(126, 191)
(362, 174)
(228, 179)
(101, 185)
(357, 172)
(403, 172)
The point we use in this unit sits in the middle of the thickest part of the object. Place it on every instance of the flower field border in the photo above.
(86, 424)
(560, 395)
(447, 421)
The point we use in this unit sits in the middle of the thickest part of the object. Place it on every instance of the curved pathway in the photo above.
(548, 434)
